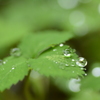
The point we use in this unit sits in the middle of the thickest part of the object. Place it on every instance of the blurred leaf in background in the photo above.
(32, 19)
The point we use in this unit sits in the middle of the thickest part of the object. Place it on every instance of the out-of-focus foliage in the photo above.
(28, 18)
(34, 44)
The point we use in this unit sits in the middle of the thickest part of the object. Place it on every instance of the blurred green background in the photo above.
(81, 17)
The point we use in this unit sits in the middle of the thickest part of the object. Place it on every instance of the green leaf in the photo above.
(12, 71)
(54, 63)
(33, 44)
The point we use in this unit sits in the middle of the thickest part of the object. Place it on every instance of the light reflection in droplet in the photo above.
(77, 18)
(85, 74)
(74, 85)
(68, 4)
(66, 65)
(82, 62)
(13, 68)
(4, 62)
(67, 53)
(73, 59)
(96, 72)
(61, 45)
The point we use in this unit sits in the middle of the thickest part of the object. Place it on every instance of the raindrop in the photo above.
(96, 72)
(73, 59)
(61, 45)
(85, 74)
(67, 53)
(15, 52)
(66, 65)
(74, 85)
(82, 68)
(54, 49)
(4, 62)
(13, 68)
(81, 62)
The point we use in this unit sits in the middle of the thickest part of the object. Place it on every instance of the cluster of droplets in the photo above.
(68, 53)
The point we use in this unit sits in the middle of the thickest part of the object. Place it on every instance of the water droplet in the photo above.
(15, 52)
(73, 59)
(66, 65)
(61, 45)
(96, 72)
(13, 68)
(85, 74)
(54, 49)
(81, 62)
(67, 53)
(74, 85)
(4, 62)
(82, 68)
(1, 62)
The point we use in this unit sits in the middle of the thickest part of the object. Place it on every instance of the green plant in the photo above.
(42, 50)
